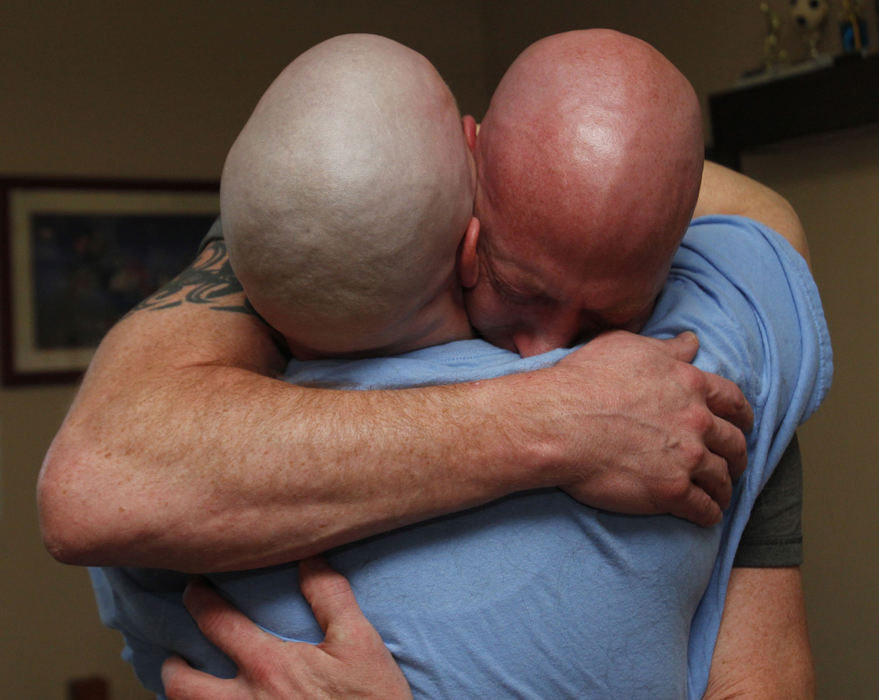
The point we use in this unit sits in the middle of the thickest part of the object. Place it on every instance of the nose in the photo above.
(546, 336)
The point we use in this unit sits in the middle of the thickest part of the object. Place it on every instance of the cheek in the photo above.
(640, 319)
(488, 313)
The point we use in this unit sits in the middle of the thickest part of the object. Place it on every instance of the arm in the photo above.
(725, 191)
(182, 451)
(763, 646)
(762, 649)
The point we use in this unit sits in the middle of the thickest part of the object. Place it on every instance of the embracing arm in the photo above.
(767, 660)
(725, 191)
(763, 647)
(183, 451)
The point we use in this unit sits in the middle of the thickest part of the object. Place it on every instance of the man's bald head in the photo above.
(345, 196)
(590, 153)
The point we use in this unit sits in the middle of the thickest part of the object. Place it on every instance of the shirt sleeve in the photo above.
(215, 233)
(773, 536)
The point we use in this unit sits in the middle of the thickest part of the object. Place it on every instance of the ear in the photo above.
(471, 128)
(468, 257)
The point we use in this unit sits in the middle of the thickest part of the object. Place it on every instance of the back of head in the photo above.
(345, 195)
(593, 140)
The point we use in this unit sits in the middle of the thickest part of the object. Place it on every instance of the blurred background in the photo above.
(160, 88)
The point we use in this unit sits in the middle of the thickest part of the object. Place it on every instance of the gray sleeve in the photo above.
(215, 233)
(773, 536)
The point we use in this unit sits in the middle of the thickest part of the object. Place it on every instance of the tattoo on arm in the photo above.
(209, 280)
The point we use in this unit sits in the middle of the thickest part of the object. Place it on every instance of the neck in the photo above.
(441, 320)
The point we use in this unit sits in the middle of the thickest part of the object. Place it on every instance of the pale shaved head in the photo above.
(590, 159)
(344, 199)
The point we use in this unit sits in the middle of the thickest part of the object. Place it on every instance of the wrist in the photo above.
(520, 434)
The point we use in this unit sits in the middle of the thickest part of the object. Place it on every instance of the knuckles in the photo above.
(674, 490)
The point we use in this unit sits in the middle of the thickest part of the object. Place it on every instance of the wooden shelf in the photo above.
(839, 96)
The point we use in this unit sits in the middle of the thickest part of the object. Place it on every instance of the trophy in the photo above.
(772, 51)
(853, 28)
(809, 16)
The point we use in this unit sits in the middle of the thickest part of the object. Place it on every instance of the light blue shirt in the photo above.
(536, 595)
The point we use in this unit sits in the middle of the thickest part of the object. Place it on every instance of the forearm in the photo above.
(725, 191)
(208, 466)
(183, 451)
(763, 646)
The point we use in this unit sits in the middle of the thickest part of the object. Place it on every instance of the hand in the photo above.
(667, 440)
(352, 661)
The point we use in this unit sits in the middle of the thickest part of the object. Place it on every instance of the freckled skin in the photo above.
(586, 185)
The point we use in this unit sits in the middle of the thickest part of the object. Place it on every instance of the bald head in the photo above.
(592, 151)
(598, 134)
(345, 196)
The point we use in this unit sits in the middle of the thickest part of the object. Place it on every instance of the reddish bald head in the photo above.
(590, 159)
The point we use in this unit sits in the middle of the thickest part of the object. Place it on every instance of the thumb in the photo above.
(682, 347)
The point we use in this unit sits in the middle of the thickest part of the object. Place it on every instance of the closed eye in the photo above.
(520, 297)
(523, 298)
(511, 293)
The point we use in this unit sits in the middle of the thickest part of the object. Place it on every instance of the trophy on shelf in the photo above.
(809, 17)
(773, 54)
(853, 27)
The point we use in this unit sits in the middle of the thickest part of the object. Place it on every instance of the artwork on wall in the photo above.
(78, 254)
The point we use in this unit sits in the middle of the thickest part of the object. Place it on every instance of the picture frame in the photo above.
(77, 254)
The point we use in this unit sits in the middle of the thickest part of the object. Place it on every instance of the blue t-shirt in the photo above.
(536, 595)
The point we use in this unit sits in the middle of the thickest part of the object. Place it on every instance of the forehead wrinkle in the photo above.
(590, 284)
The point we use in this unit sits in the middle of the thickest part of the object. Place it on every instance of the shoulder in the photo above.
(748, 295)
(756, 260)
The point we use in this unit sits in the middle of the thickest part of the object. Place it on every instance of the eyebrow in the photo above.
(521, 293)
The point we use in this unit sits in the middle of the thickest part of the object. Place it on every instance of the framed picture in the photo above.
(78, 254)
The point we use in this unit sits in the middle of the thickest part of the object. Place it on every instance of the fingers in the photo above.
(182, 682)
(726, 400)
(722, 396)
(682, 347)
(698, 507)
(330, 596)
(225, 626)
(706, 494)
(728, 442)
(357, 649)
(714, 479)
(724, 461)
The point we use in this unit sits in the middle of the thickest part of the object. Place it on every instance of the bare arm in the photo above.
(763, 647)
(182, 451)
(762, 650)
(725, 191)
(764, 613)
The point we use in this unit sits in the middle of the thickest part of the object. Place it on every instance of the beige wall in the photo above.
(833, 183)
(160, 88)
